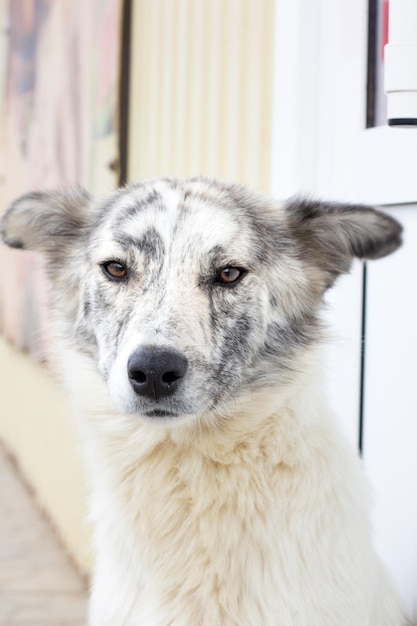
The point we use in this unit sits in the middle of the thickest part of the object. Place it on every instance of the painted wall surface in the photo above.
(200, 103)
(36, 426)
(60, 114)
(201, 88)
(59, 67)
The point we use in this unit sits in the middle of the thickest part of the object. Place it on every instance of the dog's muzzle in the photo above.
(155, 372)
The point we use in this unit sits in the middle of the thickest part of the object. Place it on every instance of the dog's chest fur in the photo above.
(206, 527)
(222, 492)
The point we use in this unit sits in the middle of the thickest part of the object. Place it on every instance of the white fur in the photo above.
(241, 524)
(232, 500)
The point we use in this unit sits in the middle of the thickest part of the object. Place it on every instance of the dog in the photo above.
(189, 312)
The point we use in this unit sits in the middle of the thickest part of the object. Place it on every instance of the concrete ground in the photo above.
(39, 586)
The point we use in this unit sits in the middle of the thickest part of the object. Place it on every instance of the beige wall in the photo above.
(201, 86)
(200, 104)
(36, 427)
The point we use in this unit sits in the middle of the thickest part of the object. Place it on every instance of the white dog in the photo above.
(222, 491)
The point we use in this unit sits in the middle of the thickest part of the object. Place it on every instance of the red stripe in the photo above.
(385, 20)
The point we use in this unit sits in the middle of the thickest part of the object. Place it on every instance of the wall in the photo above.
(59, 70)
(200, 103)
(201, 85)
(36, 427)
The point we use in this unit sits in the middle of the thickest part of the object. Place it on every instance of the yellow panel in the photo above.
(35, 424)
(201, 89)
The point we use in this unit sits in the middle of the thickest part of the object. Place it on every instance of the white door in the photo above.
(323, 105)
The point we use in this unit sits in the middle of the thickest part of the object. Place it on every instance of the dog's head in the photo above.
(190, 294)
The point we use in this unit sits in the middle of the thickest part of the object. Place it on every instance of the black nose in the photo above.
(156, 372)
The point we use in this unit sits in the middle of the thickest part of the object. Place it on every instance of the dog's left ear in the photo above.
(45, 220)
(331, 235)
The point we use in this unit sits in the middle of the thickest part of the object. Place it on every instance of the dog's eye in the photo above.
(114, 270)
(229, 276)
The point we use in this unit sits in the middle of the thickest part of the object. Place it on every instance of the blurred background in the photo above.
(286, 97)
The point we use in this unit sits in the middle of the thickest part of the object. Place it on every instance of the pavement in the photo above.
(39, 586)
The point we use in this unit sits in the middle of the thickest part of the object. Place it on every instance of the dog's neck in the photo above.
(258, 423)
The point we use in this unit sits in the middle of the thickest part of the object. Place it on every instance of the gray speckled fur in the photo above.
(234, 338)
(243, 505)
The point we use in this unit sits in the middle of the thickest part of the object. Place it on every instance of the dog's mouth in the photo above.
(160, 413)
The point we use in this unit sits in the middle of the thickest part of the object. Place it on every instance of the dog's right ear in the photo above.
(331, 235)
(45, 220)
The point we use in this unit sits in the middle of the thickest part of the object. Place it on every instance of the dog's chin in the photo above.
(160, 417)
(176, 410)
(158, 414)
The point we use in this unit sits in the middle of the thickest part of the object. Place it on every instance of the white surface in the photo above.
(402, 20)
(354, 163)
(343, 352)
(401, 60)
(378, 166)
(294, 127)
(390, 436)
(304, 130)
(400, 73)
(321, 146)
(402, 105)
(401, 66)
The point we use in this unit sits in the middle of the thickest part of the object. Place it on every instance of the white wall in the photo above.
(321, 147)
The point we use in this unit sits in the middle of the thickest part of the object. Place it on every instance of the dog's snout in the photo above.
(156, 372)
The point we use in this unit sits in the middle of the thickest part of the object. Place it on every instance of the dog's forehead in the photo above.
(162, 214)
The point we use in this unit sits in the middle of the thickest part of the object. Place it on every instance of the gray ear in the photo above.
(331, 235)
(45, 220)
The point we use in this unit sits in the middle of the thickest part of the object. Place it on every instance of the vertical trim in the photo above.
(124, 91)
(370, 123)
(363, 364)
(371, 63)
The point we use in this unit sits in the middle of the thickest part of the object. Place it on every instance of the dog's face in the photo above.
(192, 294)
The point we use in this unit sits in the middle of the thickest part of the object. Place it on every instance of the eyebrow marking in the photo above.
(138, 204)
(150, 243)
